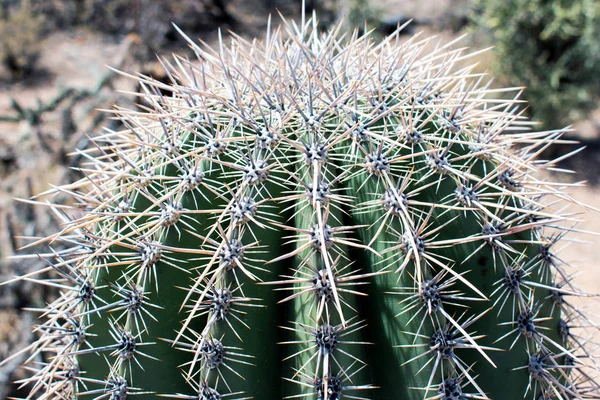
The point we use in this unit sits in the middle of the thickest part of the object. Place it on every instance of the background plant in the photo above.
(552, 48)
(20, 34)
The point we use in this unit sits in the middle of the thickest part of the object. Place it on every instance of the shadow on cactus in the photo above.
(314, 216)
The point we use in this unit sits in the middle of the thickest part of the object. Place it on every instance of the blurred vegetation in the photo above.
(28, 21)
(125, 16)
(20, 35)
(24, 22)
(360, 13)
(552, 47)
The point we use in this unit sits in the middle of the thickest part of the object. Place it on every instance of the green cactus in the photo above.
(313, 216)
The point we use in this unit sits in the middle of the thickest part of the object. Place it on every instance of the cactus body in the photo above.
(362, 220)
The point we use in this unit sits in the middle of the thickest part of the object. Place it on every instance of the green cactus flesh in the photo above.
(314, 216)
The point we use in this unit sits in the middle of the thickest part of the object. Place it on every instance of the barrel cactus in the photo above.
(316, 216)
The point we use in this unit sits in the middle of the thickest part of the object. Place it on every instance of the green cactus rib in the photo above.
(314, 216)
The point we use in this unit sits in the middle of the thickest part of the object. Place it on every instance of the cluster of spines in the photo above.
(307, 127)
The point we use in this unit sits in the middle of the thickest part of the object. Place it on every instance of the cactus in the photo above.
(313, 216)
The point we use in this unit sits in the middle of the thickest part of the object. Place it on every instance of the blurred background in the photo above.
(54, 81)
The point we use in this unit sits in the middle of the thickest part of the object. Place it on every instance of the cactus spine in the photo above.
(387, 196)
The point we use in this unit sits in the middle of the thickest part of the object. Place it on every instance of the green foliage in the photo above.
(360, 13)
(552, 47)
(20, 36)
